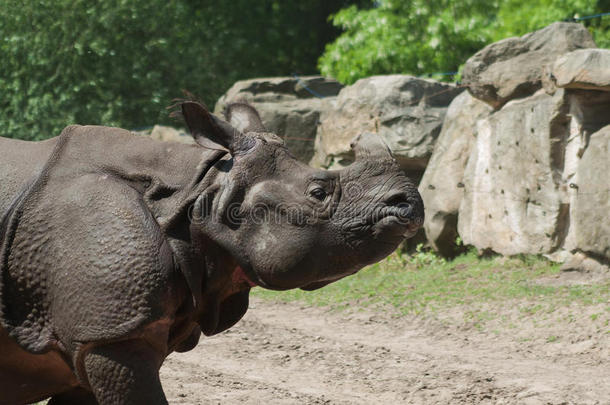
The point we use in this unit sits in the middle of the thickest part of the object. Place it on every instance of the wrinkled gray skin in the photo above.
(118, 250)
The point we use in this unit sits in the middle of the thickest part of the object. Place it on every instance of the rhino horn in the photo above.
(370, 146)
(212, 132)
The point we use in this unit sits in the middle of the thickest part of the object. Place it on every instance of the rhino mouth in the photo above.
(399, 214)
(398, 225)
(387, 224)
(246, 276)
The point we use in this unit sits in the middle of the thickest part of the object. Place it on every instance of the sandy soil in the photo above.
(290, 354)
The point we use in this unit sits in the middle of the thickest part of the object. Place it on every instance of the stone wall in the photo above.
(530, 172)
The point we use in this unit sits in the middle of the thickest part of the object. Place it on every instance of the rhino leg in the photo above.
(125, 373)
(77, 396)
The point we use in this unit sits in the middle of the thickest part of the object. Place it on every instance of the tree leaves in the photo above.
(423, 37)
(120, 62)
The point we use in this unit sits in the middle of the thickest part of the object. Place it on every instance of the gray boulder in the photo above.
(582, 69)
(590, 202)
(406, 111)
(530, 176)
(581, 263)
(166, 134)
(537, 178)
(169, 134)
(289, 106)
(514, 198)
(442, 187)
(513, 67)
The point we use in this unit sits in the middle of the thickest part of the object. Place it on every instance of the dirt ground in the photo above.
(290, 354)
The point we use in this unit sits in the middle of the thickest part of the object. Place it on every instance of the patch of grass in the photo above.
(552, 339)
(424, 283)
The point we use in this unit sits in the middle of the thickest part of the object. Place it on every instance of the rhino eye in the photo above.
(318, 193)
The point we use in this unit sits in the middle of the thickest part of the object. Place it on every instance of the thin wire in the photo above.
(438, 74)
(299, 139)
(587, 17)
(302, 83)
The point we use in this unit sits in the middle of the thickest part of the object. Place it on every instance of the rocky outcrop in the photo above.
(513, 183)
(536, 180)
(169, 134)
(533, 174)
(513, 68)
(442, 186)
(590, 199)
(289, 106)
(582, 69)
(529, 178)
(581, 263)
(404, 110)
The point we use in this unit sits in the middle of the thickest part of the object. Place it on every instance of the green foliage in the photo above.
(407, 37)
(418, 36)
(121, 62)
(422, 258)
(518, 17)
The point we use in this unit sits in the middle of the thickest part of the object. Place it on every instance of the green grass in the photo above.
(423, 283)
(552, 339)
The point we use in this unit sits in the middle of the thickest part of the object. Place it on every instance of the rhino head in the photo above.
(288, 225)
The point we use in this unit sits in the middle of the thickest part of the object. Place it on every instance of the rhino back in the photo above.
(20, 163)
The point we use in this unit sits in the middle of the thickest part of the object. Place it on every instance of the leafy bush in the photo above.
(518, 17)
(407, 37)
(120, 62)
(422, 37)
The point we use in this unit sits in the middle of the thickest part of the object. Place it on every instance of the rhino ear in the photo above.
(210, 131)
(370, 146)
(244, 117)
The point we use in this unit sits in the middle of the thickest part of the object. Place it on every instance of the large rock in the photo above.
(581, 263)
(289, 106)
(513, 67)
(514, 187)
(582, 69)
(536, 180)
(442, 187)
(169, 134)
(537, 168)
(590, 208)
(166, 134)
(406, 111)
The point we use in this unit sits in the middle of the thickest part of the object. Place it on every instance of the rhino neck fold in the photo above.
(170, 177)
(216, 302)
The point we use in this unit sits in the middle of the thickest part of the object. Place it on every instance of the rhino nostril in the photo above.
(397, 200)
(398, 205)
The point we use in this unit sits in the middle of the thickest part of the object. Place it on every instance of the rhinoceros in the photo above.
(117, 250)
